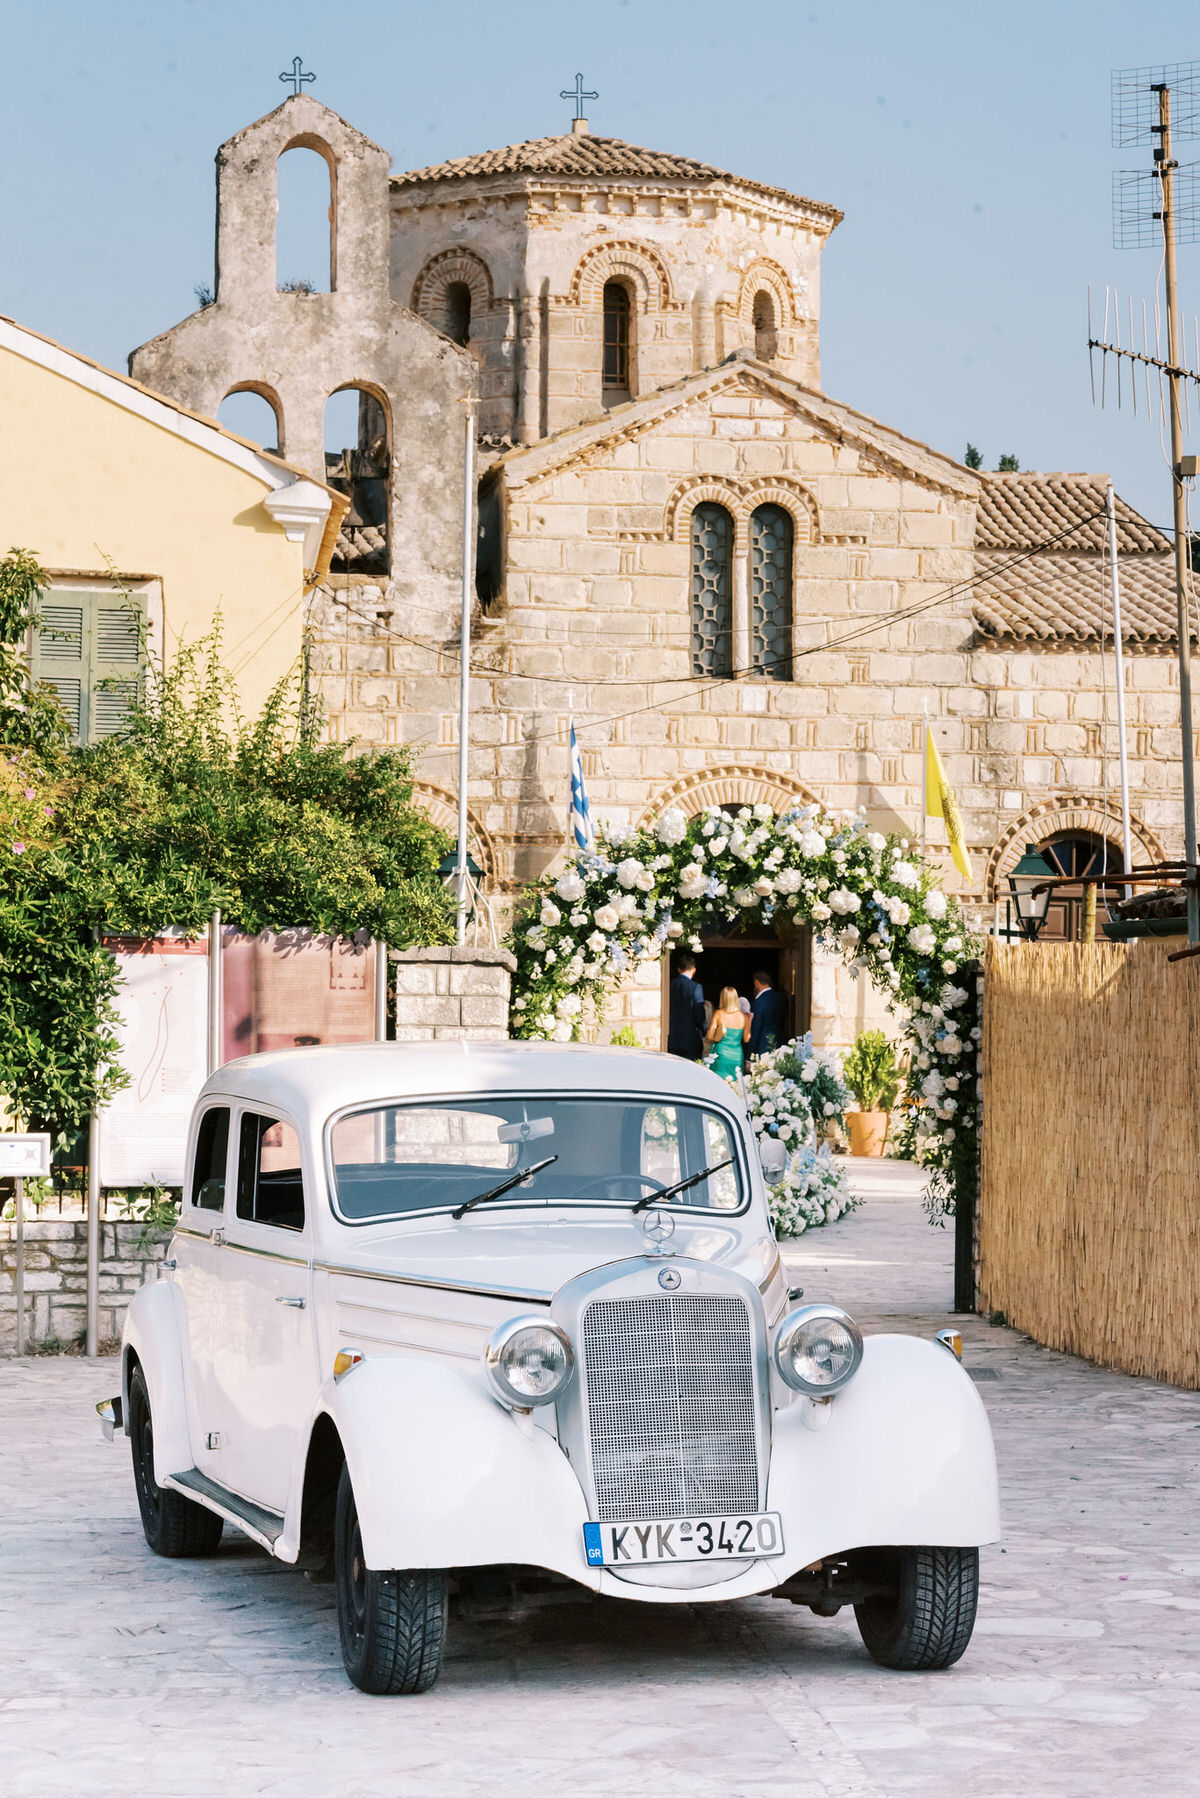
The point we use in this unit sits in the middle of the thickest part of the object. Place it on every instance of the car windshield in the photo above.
(391, 1160)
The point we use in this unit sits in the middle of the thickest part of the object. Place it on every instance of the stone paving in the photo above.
(127, 1674)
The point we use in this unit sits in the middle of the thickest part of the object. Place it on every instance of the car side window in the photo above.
(212, 1148)
(270, 1187)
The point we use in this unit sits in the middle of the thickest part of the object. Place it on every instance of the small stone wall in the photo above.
(451, 992)
(56, 1278)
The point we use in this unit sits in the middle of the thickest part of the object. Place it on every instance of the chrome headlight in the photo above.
(818, 1349)
(528, 1361)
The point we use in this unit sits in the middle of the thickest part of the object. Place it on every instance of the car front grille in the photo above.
(671, 1405)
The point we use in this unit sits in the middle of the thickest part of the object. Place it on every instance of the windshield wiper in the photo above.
(668, 1192)
(522, 1174)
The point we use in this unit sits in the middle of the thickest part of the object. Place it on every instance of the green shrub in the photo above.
(871, 1073)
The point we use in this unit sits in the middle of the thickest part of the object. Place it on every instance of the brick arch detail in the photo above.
(440, 805)
(740, 498)
(634, 262)
(265, 391)
(763, 274)
(430, 286)
(731, 785)
(1066, 811)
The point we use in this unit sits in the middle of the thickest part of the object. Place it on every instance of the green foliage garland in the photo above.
(870, 897)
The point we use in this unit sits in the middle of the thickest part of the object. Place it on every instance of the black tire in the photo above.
(392, 1625)
(174, 1526)
(925, 1621)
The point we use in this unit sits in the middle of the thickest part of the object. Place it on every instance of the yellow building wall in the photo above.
(85, 480)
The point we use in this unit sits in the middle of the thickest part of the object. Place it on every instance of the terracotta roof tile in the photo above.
(1059, 599)
(1019, 511)
(582, 157)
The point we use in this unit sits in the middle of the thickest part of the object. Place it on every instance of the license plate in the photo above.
(643, 1544)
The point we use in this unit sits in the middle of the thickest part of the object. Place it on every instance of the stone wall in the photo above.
(56, 1278)
(452, 992)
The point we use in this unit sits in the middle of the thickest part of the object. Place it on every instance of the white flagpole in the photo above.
(464, 677)
(1119, 660)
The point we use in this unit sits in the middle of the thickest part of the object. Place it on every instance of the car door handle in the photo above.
(296, 1304)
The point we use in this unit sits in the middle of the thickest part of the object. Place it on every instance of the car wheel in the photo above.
(923, 1621)
(173, 1525)
(392, 1624)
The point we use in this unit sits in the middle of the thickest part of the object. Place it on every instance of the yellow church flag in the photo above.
(941, 803)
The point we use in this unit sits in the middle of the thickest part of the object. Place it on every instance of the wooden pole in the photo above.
(1183, 621)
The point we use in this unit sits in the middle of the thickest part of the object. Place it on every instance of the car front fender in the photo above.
(154, 1332)
(444, 1476)
(903, 1455)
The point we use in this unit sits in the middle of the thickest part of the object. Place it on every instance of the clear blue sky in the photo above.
(967, 145)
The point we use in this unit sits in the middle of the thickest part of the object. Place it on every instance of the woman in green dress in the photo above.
(727, 1036)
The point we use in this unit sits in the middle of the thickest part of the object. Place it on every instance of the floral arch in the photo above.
(871, 897)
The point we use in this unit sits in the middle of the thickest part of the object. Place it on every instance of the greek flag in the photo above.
(581, 817)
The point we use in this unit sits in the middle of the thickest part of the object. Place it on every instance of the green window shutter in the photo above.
(116, 661)
(88, 649)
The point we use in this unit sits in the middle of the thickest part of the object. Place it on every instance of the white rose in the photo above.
(628, 870)
(789, 881)
(876, 841)
(843, 901)
(764, 812)
(645, 881)
(829, 1109)
(904, 874)
(935, 903)
(606, 918)
(674, 929)
(597, 942)
(562, 1032)
(672, 828)
(569, 886)
(692, 882)
(812, 843)
(568, 1006)
(578, 918)
(922, 939)
(898, 912)
(744, 896)
(550, 913)
(954, 996)
(848, 938)
(764, 886)
(810, 1070)
(821, 913)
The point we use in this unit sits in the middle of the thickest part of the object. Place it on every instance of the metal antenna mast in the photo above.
(1142, 113)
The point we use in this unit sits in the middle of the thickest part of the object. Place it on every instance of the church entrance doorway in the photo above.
(734, 959)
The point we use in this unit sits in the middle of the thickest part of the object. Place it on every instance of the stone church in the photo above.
(741, 588)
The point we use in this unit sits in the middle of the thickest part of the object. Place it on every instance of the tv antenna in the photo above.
(1156, 105)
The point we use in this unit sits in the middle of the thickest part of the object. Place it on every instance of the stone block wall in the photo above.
(56, 1278)
(450, 992)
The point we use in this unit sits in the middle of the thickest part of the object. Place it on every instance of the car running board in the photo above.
(265, 1526)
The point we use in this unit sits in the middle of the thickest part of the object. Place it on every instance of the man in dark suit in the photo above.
(686, 1021)
(766, 1016)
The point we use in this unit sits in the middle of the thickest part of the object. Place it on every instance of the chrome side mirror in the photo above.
(774, 1157)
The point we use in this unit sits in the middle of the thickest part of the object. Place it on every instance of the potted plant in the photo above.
(871, 1073)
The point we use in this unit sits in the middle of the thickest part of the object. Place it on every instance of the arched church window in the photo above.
(771, 537)
(456, 314)
(712, 591)
(766, 336)
(618, 334)
(304, 222)
(358, 463)
(247, 412)
(1075, 853)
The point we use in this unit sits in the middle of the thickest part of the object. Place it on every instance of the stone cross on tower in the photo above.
(577, 94)
(297, 76)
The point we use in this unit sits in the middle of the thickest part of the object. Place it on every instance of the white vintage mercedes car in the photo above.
(439, 1307)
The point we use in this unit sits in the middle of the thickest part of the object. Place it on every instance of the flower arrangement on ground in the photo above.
(793, 1094)
(871, 897)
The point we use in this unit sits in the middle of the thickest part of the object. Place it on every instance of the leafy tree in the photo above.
(191, 809)
(871, 1073)
(1008, 465)
(973, 457)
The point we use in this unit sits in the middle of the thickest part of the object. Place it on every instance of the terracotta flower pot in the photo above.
(868, 1131)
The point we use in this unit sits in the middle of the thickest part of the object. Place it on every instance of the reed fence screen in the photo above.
(1089, 1227)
